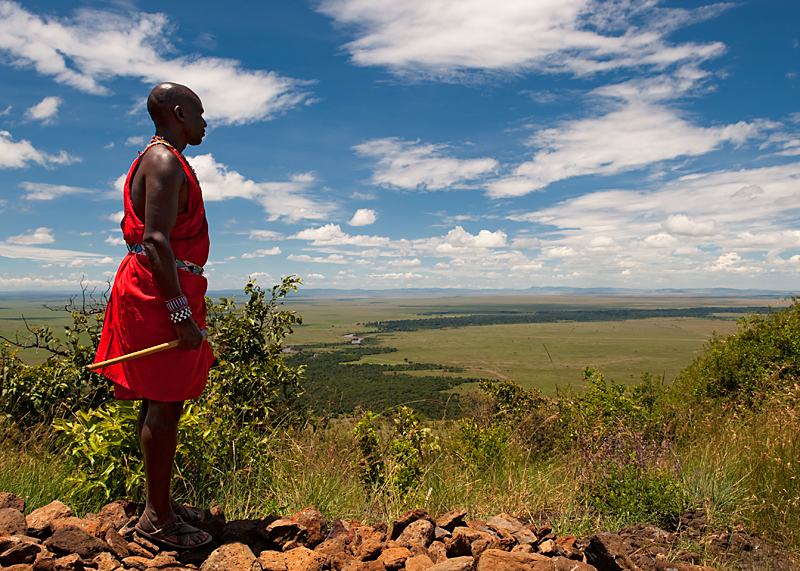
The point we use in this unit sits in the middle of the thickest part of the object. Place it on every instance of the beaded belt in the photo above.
(181, 264)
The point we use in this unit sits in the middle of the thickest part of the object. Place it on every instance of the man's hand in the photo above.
(188, 334)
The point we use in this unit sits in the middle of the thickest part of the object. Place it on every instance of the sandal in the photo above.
(189, 514)
(175, 530)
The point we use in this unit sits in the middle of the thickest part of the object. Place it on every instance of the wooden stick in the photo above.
(141, 353)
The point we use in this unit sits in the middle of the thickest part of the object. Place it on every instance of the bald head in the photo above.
(165, 97)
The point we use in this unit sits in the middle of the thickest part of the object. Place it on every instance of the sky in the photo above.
(467, 144)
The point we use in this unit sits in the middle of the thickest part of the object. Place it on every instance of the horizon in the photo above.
(632, 145)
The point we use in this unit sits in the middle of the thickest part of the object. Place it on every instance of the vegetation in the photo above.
(724, 437)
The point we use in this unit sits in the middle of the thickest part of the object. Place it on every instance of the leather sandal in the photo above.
(163, 534)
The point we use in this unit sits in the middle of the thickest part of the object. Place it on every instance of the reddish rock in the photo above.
(18, 553)
(117, 544)
(452, 519)
(11, 501)
(90, 527)
(316, 527)
(136, 562)
(456, 564)
(145, 543)
(394, 558)
(607, 552)
(13, 522)
(437, 551)
(338, 529)
(497, 560)
(135, 549)
(672, 566)
(406, 519)
(70, 562)
(304, 559)
(460, 543)
(525, 536)
(421, 562)
(504, 521)
(564, 564)
(357, 565)
(369, 546)
(272, 561)
(39, 520)
(417, 535)
(281, 532)
(230, 557)
(115, 514)
(68, 540)
(105, 562)
(45, 561)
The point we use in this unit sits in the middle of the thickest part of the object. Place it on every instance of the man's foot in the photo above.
(176, 533)
(189, 514)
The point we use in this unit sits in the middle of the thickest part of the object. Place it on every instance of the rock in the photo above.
(304, 559)
(145, 543)
(281, 532)
(90, 527)
(135, 549)
(525, 536)
(105, 562)
(504, 521)
(394, 558)
(68, 540)
(437, 551)
(339, 528)
(356, 565)
(11, 501)
(368, 543)
(416, 535)
(672, 566)
(214, 523)
(13, 522)
(455, 564)
(230, 557)
(460, 543)
(497, 560)
(136, 562)
(564, 564)
(316, 527)
(117, 544)
(406, 519)
(441, 532)
(547, 547)
(45, 561)
(115, 514)
(70, 562)
(420, 562)
(19, 552)
(272, 561)
(39, 520)
(606, 552)
(452, 519)
(240, 531)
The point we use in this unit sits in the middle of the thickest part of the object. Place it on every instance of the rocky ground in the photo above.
(52, 539)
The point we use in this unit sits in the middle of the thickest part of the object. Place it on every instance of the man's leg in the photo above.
(158, 422)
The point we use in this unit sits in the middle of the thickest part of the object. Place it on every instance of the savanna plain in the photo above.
(592, 413)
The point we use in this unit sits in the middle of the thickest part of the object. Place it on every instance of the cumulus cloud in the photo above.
(115, 240)
(263, 253)
(20, 154)
(363, 217)
(45, 111)
(332, 235)
(98, 46)
(444, 38)
(288, 200)
(682, 224)
(45, 191)
(264, 235)
(411, 165)
(38, 236)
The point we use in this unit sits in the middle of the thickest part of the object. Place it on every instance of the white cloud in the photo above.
(115, 240)
(19, 154)
(632, 136)
(287, 200)
(262, 253)
(682, 224)
(135, 141)
(443, 38)
(116, 216)
(363, 217)
(45, 111)
(412, 165)
(97, 46)
(38, 236)
(265, 235)
(332, 235)
(45, 191)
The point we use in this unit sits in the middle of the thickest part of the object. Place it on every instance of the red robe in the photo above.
(137, 317)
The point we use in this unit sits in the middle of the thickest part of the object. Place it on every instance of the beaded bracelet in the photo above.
(177, 303)
(180, 315)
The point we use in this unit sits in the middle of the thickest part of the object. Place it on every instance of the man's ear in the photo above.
(178, 111)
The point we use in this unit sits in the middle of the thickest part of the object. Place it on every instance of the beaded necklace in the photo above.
(158, 139)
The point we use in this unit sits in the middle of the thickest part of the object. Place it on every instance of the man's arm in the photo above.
(165, 194)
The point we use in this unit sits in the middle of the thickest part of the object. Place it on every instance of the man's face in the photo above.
(193, 121)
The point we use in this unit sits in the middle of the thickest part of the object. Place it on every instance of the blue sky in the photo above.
(416, 143)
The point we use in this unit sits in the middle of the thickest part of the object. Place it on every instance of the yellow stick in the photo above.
(137, 354)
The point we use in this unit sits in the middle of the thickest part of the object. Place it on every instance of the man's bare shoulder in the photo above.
(160, 161)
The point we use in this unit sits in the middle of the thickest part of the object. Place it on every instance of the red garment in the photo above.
(137, 317)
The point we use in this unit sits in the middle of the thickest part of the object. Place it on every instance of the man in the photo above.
(158, 295)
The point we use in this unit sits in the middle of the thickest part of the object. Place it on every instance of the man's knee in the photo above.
(164, 414)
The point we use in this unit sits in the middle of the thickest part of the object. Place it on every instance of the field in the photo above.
(541, 355)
